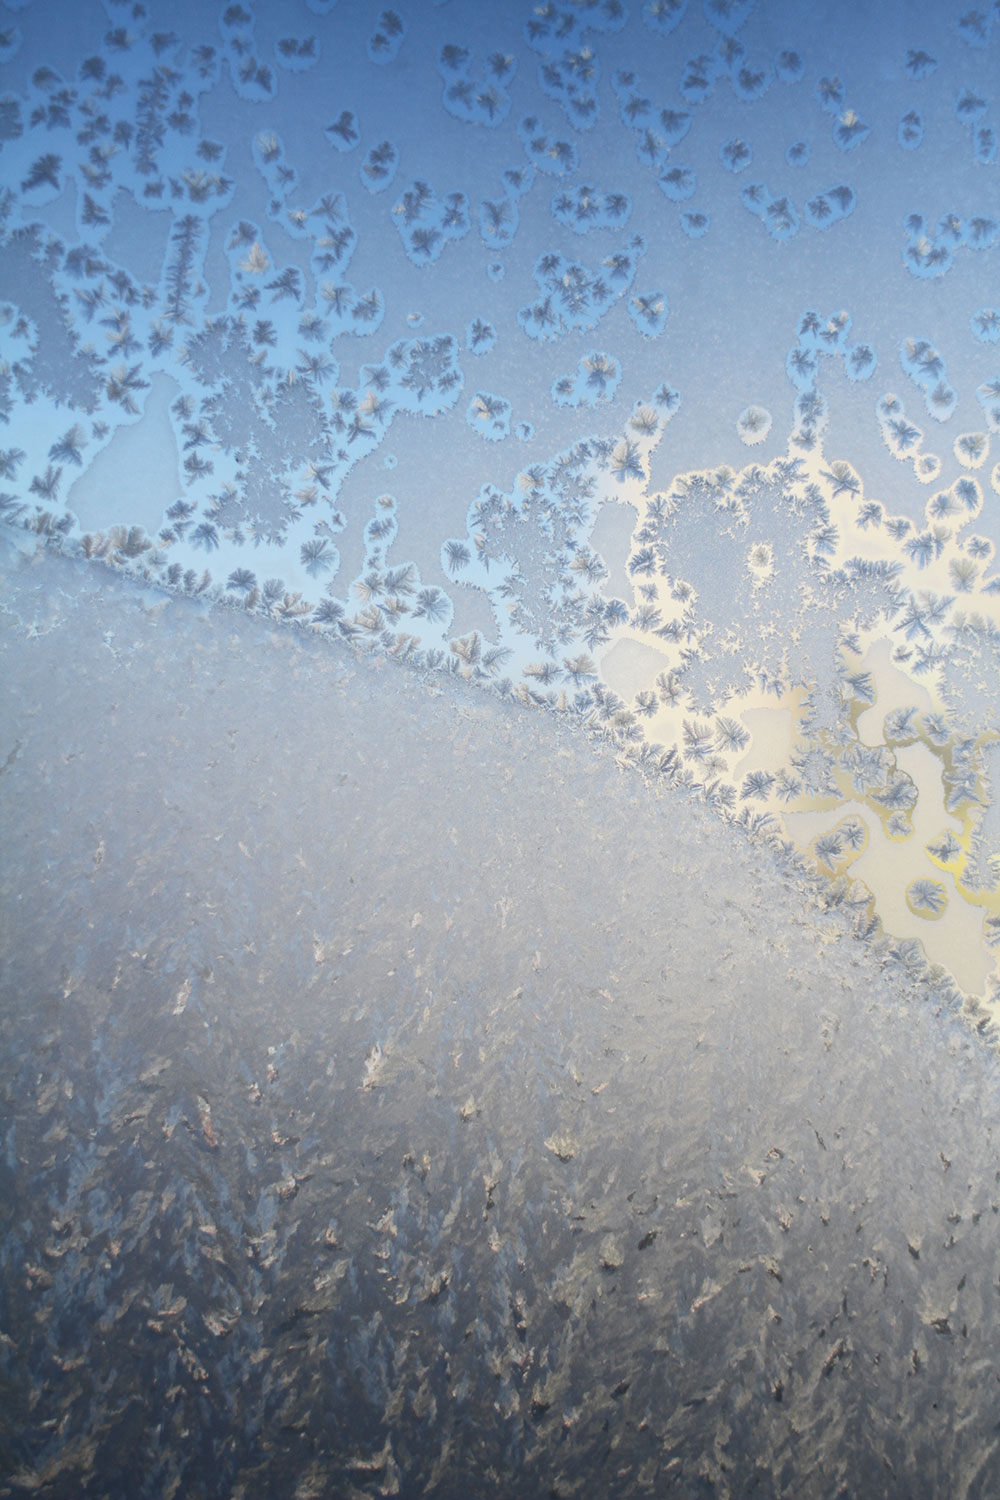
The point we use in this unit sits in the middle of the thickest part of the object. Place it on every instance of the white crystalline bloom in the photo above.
(926, 898)
(760, 561)
(753, 425)
(972, 449)
(562, 1146)
(256, 262)
(644, 421)
(373, 1067)
(612, 1253)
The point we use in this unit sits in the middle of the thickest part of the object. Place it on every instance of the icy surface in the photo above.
(621, 379)
(241, 286)
(379, 1120)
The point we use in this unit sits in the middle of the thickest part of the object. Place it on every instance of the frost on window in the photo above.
(676, 325)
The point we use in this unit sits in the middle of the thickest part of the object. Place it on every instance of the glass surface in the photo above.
(500, 748)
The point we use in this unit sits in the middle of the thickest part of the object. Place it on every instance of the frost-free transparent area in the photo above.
(638, 365)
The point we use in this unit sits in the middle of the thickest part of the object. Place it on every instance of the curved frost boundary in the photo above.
(773, 585)
(683, 1068)
(670, 657)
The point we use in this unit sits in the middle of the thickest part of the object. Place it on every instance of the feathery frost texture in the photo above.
(624, 377)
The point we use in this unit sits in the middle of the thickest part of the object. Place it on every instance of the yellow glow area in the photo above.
(629, 666)
(893, 689)
(772, 727)
(888, 865)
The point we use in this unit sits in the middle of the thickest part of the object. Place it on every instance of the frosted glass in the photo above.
(501, 848)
